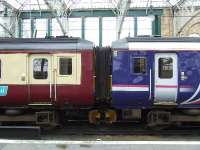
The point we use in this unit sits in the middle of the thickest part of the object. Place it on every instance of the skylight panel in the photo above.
(15, 3)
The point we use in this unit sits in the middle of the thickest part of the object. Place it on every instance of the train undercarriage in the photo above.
(157, 117)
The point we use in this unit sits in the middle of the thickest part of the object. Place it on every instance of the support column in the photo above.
(156, 26)
(100, 31)
(123, 6)
(49, 27)
(135, 26)
(20, 28)
(83, 27)
(32, 27)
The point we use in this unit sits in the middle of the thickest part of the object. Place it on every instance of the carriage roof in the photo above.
(157, 43)
(60, 43)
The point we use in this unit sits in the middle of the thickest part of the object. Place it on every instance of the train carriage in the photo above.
(56, 72)
(157, 74)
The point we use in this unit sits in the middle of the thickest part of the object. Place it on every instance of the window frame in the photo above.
(159, 68)
(47, 68)
(60, 75)
(132, 65)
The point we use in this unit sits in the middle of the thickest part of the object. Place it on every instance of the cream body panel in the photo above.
(14, 69)
(75, 77)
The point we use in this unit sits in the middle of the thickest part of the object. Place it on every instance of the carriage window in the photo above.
(165, 67)
(65, 66)
(40, 68)
(139, 65)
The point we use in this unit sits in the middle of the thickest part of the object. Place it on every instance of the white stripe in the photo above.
(186, 89)
(100, 142)
(130, 89)
(167, 46)
(150, 85)
(193, 96)
(193, 101)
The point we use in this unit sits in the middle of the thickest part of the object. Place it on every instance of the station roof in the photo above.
(91, 4)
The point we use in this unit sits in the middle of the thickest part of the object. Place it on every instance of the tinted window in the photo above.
(165, 67)
(139, 65)
(65, 66)
(40, 68)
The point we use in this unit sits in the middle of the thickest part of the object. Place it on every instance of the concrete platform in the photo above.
(97, 145)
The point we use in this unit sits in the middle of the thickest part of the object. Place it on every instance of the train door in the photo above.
(40, 78)
(66, 75)
(166, 77)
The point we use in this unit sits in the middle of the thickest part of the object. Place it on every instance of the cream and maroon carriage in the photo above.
(36, 74)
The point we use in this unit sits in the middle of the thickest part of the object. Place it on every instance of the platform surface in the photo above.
(97, 145)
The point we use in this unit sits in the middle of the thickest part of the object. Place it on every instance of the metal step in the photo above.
(165, 103)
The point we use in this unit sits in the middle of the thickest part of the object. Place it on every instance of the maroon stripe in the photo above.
(197, 102)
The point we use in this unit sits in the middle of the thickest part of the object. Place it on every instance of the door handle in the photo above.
(55, 83)
(50, 87)
(23, 77)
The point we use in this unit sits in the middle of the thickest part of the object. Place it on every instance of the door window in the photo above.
(40, 68)
(165, 67)
(139, 65)
(65, 66)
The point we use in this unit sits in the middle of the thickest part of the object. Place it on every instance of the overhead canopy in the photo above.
(89, 4)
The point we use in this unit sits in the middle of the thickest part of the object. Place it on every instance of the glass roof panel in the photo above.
(15, 3)
(90, 4)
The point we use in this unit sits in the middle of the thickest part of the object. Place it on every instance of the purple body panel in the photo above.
(188, 89)
(122, 75)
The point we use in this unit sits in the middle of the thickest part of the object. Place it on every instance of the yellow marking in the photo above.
(111, 116)
(94, 116)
